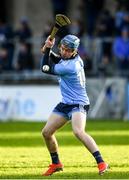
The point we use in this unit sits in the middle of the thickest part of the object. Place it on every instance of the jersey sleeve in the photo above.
(67, 67)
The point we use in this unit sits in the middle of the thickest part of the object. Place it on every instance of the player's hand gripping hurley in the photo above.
(60, 21)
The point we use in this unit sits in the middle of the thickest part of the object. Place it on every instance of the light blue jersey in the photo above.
(72, 81)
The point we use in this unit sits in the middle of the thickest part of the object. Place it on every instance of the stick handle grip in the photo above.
(53, 33)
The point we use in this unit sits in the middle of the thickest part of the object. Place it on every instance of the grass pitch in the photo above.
(23, 154)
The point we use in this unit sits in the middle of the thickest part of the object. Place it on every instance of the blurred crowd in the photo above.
(8, 38)
(104, 38)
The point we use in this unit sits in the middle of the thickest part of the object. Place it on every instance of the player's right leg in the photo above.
(54, 122)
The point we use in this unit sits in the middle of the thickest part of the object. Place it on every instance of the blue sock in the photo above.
(98, 157)
(54, 157)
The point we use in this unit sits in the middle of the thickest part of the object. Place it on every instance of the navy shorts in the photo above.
(66, 110)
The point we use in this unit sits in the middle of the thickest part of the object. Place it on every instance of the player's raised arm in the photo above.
(47, 65)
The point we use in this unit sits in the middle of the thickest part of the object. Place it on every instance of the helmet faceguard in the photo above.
(71, 42)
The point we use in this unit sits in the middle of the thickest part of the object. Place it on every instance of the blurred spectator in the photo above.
(3, 59)
(91, 10)
(25, 59)
(59, 6)
(121, 18)
(86, 58)
(24, 32)
(126, 20)
(6, 40)
(77, 28)
(121, 51)
(105, 25)
(105, 31)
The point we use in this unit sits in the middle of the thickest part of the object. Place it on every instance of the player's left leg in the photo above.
(78, 125)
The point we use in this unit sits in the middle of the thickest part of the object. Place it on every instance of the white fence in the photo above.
(34, 103)
(29, 103)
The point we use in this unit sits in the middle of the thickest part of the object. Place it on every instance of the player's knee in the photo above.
(45, 133)
(77, 133)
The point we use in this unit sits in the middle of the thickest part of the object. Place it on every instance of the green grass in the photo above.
(23, 153)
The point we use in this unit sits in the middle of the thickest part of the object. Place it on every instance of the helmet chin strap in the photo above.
(74, 53)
